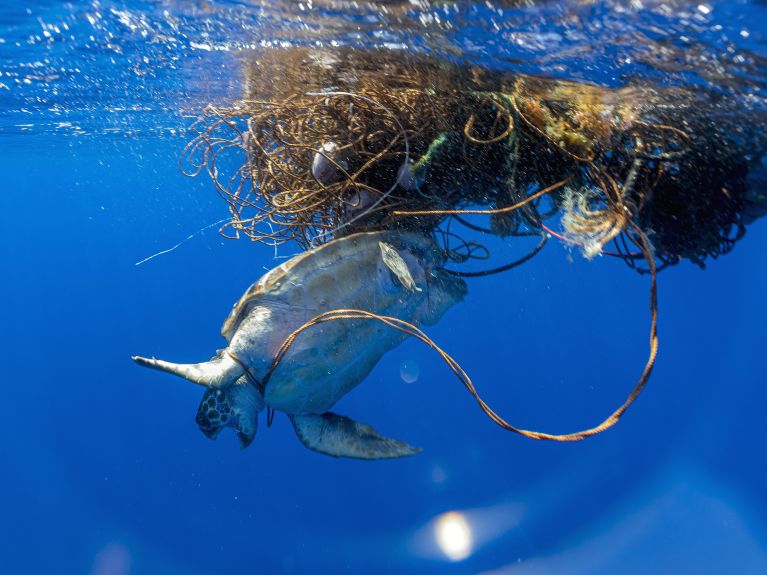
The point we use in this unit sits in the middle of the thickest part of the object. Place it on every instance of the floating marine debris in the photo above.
(340, 141)
(367, 159)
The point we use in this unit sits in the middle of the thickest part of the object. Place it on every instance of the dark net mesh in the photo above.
(331, 142)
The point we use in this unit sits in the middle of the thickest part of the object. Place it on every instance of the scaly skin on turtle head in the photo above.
(235, 405)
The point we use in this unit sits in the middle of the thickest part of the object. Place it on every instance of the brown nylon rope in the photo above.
(412, 330)
(505, 210)
(455, 135)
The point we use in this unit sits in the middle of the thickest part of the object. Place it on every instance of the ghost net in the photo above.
(340, 141)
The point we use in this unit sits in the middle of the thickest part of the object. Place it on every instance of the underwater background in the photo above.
(104, 471)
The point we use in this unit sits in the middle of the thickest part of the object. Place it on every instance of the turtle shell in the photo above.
(279, 283)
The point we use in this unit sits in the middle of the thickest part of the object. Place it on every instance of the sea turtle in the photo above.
(388, 273)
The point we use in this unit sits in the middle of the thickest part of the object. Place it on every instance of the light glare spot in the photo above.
(453, 534)
(409, 371)
(113, 559)
(438, 475)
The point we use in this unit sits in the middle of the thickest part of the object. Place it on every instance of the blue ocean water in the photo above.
(104, 470)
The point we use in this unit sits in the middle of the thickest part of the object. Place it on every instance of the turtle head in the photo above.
(230, 399)
(235, 405)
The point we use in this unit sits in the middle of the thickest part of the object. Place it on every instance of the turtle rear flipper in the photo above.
(234, 406)
(340, 436)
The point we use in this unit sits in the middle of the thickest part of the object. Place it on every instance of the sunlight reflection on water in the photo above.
(453, 535)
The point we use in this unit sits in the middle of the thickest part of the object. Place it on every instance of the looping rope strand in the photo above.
(411, 330)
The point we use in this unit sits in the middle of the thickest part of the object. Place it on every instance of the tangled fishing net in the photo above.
(327, 143)
(332, 142)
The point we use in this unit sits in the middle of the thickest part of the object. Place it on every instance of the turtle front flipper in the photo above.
(340, 436)
(236, 406)
(220, 370)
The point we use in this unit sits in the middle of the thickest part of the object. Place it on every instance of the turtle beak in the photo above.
(245, 439)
